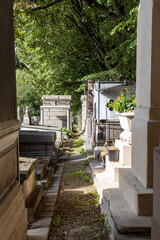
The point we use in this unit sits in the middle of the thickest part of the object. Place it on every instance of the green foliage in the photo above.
(86, 178)
(69, 133)
(125, 102)
(77, 198)
(59, 47)
(102, 218)
(68, 153)
(79, 142)
(56, 221)
(26, 93)
(83, 175)
(82, 152)
(61, 149)
(52, 238)
(85, 164)
(95, 199)
(107, 229)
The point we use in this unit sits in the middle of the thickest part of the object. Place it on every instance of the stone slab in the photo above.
(125, 220)
(43, 222)
(26, 166)
(38, 234)
(113, 168)
(40, 170)
(36, 143)
(139, 197)
(36, 136)
(125, 156)
(45, 182)
(34, 201)
(45, 214)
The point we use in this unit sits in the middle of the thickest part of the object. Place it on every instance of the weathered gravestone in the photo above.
(27, 117)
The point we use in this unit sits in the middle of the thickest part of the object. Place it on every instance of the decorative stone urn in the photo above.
(126, 123)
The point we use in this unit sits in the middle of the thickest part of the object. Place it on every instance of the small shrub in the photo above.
(56, 221)
(79, 143)
(107, 229)
(86, 178)
(69, 133)
(64, 129)
(77, 198)
(95, 199)
(51, 238)
(83, 152)
(102, 218)
(85, 164)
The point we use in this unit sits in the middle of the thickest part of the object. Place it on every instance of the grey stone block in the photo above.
(43, 222)
(36, 143)
(38, 234)
(46, 214)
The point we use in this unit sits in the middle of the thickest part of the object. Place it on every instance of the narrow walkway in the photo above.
(77, 210)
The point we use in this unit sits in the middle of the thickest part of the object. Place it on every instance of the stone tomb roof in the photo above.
(56, 99)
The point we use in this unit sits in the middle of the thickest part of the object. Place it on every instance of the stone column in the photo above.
(42, 116)
(146, 123)
(13, 217)
(68, 119)
(84, 110)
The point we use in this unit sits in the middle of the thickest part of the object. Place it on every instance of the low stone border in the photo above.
(41, 226)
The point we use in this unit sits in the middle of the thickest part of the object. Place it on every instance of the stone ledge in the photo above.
(40, 227)
(113, 168)
(139, 197)
(26, 165)
(38, 234)
(34, 201)
(120, 216)
(45, 182)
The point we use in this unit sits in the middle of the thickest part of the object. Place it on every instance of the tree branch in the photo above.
(43, 7)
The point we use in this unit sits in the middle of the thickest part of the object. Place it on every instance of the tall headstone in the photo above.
(84, 111)
(19, 115)
(27, 117)
(13, 215)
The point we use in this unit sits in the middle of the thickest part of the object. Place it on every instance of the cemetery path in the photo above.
(77, 212)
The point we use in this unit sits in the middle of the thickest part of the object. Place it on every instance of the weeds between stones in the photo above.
(78, 206)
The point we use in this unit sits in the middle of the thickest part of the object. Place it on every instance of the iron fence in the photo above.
(107, 132)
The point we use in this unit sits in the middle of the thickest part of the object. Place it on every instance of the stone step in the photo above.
(140, 198)
(125, 156)
(113, 168)
(47, 160)
(63, 157)
(124, 223)
(45, 182)
(40, 170)
(38, 234)
(34, 201)
(54, 160)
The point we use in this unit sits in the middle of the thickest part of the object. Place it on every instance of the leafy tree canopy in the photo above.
(59, 44)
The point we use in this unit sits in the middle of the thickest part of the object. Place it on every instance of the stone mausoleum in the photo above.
(56, 111)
